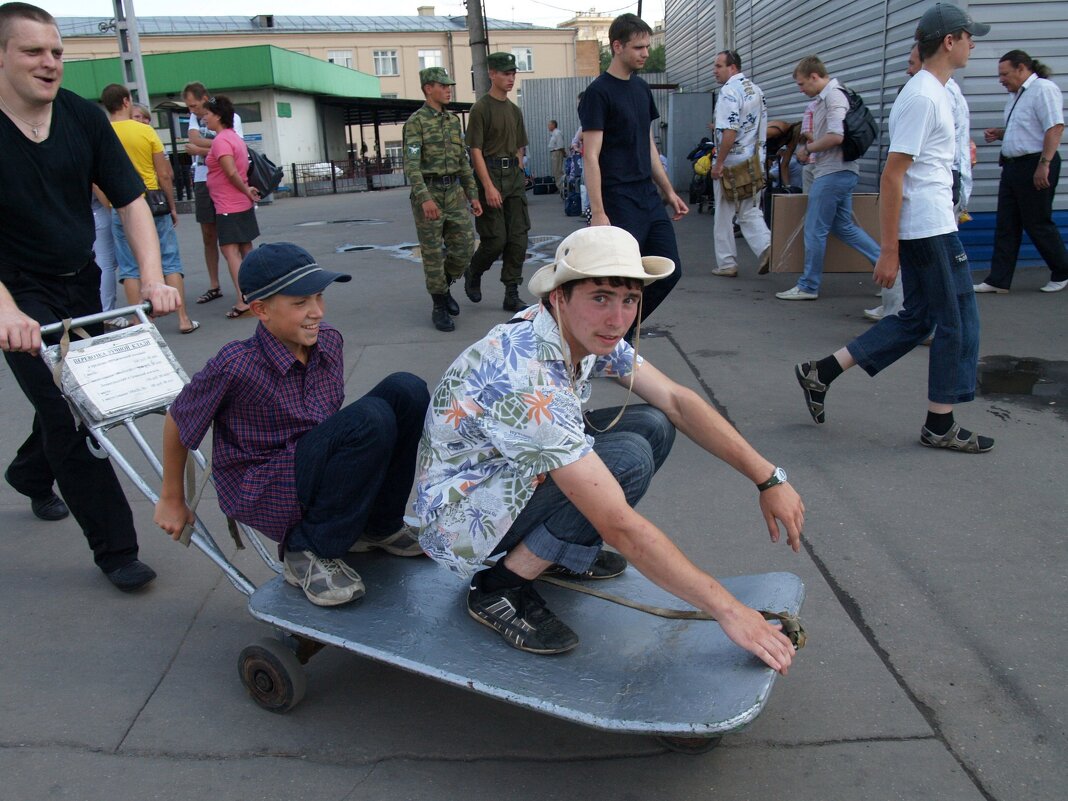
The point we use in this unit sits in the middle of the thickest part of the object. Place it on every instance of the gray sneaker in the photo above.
(402, 542)
(326, 582)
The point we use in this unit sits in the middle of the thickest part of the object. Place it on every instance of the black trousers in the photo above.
(1021, 208)
(56, 448)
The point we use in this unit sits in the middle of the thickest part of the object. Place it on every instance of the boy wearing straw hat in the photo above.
(508, 464)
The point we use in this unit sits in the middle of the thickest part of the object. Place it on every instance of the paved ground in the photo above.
(936, 582)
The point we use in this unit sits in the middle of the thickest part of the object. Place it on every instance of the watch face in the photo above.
(780, 474)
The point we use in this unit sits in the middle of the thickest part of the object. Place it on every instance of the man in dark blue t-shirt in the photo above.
(56, 146)
(621, 163)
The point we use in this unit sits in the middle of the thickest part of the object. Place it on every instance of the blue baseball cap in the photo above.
(282, 268)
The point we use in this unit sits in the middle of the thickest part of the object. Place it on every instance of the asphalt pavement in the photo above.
(936, 581)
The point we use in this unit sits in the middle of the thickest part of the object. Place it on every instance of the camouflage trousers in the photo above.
(503, 231)
(447, 242)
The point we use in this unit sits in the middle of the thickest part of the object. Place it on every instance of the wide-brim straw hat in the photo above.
(601, 251)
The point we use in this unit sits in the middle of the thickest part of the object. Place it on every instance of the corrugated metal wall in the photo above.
(547, 99)
(865, 43)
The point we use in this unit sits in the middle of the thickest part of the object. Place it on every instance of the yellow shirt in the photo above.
(140, 141)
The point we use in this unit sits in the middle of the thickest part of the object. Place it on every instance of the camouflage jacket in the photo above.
(434, 145)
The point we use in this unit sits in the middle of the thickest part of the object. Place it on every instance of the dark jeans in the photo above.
(638, 209)
(633, 450)
(56, 448)
(355, 469)
(1021, 208)
(938, 292)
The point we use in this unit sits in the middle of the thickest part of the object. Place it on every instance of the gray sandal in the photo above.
(810, 383)
(951, 441)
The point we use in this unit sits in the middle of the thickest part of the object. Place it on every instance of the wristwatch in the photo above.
(778, 477)
(1043, 160)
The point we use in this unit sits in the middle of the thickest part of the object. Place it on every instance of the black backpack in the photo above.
(263, 174)
(860, 127)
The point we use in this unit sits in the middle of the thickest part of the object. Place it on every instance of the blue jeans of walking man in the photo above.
(633, 450)
(830, 211)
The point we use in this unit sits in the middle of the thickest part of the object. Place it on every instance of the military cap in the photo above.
(502, 62)
(435, 75)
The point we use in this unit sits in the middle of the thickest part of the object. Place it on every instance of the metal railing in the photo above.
(345, 175)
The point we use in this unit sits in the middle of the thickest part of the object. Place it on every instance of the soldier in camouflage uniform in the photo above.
(497, 138)
(442, 185)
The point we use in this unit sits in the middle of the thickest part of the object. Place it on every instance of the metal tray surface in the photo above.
(632, 672)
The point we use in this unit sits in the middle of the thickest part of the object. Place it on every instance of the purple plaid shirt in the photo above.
(262, 400)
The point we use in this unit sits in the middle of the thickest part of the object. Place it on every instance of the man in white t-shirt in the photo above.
(195, 95)
(918, 230)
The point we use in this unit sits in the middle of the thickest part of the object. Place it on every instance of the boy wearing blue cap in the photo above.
(286, 458)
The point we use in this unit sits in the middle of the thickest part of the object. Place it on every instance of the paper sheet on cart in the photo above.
(124, 373)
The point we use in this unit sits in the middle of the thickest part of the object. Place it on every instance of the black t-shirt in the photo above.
(623, 111)
(45, 187)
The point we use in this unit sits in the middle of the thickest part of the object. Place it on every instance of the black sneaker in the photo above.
(520, 616)
(608, 564)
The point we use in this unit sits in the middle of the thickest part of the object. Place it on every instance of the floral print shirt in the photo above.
(741, 107)
(504, 415)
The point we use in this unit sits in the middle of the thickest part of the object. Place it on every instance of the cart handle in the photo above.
(142, 310)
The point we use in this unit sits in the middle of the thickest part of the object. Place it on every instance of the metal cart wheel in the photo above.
(690, 745)
(272, 674)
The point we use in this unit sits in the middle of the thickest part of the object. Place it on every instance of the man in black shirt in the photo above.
(621, 163)
(56, 146)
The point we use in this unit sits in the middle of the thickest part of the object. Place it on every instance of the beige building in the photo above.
(393, 49)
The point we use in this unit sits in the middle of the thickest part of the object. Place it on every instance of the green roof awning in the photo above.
(226, 70)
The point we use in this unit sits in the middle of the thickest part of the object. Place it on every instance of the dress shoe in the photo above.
(1053, 286)
(984, 287)
(50, 507)
(131, 577)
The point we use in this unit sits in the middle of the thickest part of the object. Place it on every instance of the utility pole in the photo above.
(476, 28)
(133, 68)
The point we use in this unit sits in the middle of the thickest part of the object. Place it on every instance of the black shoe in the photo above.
(50, 507)
(451, 306)
(520, 616)
(473, 287)
(131, 577)
(608, 564)
(512, 302)
(440, 316)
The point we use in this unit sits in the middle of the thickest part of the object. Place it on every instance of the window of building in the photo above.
(394, 151)
(524, 59)
(343, 58)
(389, 95)
(248, 112)
(430, 58)
(386, 62)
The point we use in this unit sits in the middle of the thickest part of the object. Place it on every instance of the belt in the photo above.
(1025, 157)
(503, 163)
(442, 180)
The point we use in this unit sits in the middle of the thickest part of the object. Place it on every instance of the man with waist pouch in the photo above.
(442, 184)
(56, 147)
(1030, 169)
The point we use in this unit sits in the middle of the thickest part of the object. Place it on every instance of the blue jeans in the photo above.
(168, 247)
(355, 469)
(938, 292)
(830, 211)
(550, 525)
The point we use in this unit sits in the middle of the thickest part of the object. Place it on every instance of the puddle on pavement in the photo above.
(1036, 382)
(541, 249)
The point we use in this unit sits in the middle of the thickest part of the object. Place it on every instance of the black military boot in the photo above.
(512, 301)
(440, 316)
(450, 303)
(473, 286)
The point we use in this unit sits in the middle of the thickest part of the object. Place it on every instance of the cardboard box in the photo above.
(788, 235)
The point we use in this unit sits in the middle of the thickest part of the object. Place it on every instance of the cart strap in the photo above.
(64, 347)
(194, 490)
(791, 624)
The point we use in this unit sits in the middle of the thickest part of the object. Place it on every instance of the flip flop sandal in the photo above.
(212, 294)
(950, 440)
(810, 383)
(235, 312)
(195, 325)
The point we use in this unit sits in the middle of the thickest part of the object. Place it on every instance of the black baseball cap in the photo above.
(942, 19)
(282, 268)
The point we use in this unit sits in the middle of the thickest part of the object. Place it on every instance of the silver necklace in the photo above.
(33, 126)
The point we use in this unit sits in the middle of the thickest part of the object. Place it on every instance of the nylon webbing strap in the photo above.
(64, 347)
(791, 624)
(194, 490)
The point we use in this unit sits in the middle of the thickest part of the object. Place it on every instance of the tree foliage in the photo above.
(657, 61)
